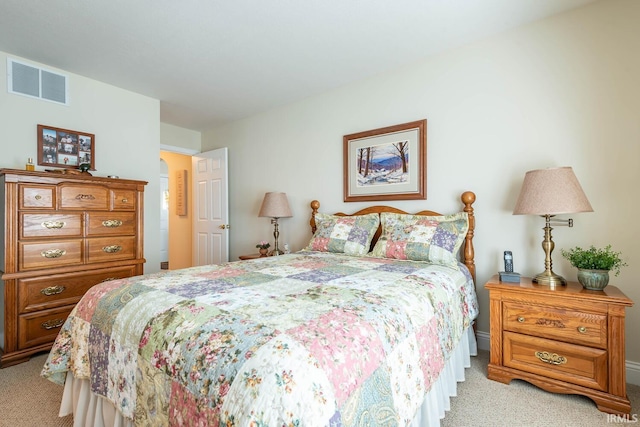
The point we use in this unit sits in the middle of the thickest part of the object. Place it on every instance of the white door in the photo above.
(210, 209)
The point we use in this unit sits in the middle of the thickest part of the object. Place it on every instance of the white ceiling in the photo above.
(213, 61)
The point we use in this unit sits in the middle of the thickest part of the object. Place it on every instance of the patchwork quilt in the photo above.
(306, 339)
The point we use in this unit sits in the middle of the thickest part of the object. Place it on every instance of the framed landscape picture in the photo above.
(65, 148)
(386, 164)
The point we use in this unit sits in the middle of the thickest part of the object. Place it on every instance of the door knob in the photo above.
(224, 226)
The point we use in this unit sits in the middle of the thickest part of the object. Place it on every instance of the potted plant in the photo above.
(594, 264)
(263, 245)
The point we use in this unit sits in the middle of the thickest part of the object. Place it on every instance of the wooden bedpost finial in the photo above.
(315, 205)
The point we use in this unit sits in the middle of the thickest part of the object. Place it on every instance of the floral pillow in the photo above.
(350, 235)
(435, 239)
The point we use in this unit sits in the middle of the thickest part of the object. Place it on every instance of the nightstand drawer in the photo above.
(571, 326)
(575, 364)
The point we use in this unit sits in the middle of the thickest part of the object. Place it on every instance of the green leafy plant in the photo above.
(263, 244)
(595, 258)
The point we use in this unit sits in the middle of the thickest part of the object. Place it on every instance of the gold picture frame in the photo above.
(386, 164)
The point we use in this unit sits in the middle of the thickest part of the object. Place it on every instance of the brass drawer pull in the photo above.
(112, 249)
(53, 253)
(125, 200)
(520, 319)
(85, 197)
(551, 358)
(52, 324)
(52, 290)
(111, 223)
(582, 329)
(53, 224)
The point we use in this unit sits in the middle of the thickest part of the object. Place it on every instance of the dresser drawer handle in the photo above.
(111, 223)
(53, 253)
(85, 197)
(53, 224)
(520, 319)
(582, 329)
(38, 197)
(52, 290)
(125, 200)
(52, 324)
(551, 358)
(112, 249)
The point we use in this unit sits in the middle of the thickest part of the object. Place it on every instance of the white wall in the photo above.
(126, 127)
(560, 92)
(180, 139)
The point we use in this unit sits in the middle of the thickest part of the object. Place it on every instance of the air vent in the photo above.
(36, 82)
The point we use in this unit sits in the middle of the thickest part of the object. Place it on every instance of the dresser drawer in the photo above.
(52, 254)
(111, 223)
(123, 200)
(84, 197)
(39, 293)
(102, 249)
(41, 327)
(555, 323)
(50, 225)
(37, 197)
(575, 364)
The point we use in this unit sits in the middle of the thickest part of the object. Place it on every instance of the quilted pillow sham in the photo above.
(350, 235)
(435, 239)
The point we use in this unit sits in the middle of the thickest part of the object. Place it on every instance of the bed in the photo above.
(370, 324)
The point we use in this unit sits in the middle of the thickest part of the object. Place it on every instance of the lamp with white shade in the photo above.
(550, 192)
(275, 205)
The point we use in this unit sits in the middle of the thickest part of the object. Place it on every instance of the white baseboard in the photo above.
(633, 368)
(483, 340)
(633, 372)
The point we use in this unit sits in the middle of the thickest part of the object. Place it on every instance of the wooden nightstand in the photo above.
(564, 340)
(252, 256)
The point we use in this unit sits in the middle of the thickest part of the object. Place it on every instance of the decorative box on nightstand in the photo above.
(563, 339)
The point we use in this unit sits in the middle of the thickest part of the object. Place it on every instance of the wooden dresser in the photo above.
(62, 234)
(564, 339)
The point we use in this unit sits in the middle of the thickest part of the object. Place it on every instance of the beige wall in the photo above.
(562, 91)
(126, 126)
(180, 232)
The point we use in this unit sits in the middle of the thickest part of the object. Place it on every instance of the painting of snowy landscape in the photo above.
(384, 164)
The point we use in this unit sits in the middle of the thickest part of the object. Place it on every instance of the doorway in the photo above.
(164, 215)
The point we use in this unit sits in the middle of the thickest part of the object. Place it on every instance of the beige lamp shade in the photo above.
(552, 191)
(275, 205)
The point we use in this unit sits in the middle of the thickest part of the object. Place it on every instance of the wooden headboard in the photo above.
(468, 198)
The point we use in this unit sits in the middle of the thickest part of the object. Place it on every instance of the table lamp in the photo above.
(275, 206)
(550, 192)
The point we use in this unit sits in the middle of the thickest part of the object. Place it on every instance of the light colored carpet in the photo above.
(482, 402)
(27, 400)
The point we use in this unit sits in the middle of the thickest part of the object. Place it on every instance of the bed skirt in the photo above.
(89, 409)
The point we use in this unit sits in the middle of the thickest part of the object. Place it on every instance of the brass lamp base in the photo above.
(549, 278)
